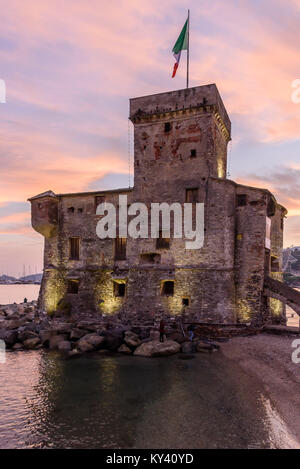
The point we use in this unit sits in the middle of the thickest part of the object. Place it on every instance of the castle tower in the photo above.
(180, 139)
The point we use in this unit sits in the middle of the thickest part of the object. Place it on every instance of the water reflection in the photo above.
(131, 402)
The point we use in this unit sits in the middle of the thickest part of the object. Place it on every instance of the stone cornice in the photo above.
(157, 114)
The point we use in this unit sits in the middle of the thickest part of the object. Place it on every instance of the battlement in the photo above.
(188, 101)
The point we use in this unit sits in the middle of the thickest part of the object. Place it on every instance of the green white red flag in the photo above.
(181, 44)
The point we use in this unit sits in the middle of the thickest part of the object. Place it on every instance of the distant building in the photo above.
(291, 260)
(180, 155)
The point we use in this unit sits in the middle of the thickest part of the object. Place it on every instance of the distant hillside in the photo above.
(291, 260)
(31, 278)
(7, 279)
(34, 278)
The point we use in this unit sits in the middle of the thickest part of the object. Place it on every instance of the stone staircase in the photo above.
(281, 291)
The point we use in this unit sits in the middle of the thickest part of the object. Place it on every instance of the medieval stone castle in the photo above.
(180, 155)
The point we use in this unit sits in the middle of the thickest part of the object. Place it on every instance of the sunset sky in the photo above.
(71, 66)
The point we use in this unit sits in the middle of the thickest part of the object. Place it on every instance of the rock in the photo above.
(85, 346)
(155, 348)
(55, 341)
(31, 344)
(204, 348)
(93, 339)
(31, 326)
(124, 349)
(45, 335)
(188, 347)
(9, 337)
(154, 334)
(17, 346)
(77, 334)
(64, 346)
(88, 325)
(24, 334)
(112, 341)
(15, 323)
(131, 339)
(30, 316)
(62, 327)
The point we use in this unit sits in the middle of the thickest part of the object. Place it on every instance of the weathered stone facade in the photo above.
(180, 145)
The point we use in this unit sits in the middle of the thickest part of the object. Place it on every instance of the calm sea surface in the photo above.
(17, 293)
(133, 402)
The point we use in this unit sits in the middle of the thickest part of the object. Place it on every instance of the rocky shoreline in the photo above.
(23, 327)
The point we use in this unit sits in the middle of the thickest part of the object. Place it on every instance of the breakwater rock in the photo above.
(23, 327)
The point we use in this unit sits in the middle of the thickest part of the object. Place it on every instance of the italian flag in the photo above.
(181, 44)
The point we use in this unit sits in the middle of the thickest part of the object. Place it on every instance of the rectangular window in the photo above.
(193, 153)
(119, 289)
(74, 248)
(120, 249)
(167, 127)
(168, 288)
(162, 243)
(73, 286)
(191, 195)
(241, 200)
(274, 264)
(99, 199)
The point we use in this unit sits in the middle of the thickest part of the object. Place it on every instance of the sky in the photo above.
(71, 66)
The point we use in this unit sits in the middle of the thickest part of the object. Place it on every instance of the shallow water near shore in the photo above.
(133, 402)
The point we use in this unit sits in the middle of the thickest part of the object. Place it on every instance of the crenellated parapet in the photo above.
(44, 213)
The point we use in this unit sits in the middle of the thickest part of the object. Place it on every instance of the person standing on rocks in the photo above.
(161, 330)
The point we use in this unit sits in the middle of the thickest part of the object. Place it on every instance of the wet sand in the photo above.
(268, 358)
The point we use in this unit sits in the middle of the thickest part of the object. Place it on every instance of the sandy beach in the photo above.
(268, 358)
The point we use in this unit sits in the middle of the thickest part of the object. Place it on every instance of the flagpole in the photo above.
(188, 52)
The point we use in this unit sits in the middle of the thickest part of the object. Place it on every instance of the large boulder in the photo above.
(55, 341)
(113, 339)
(155, 348)
(204, 347)
(14, 323)
(93, 339)
(45, 336)
(31, 344)
(77, 333)
(84, 346)
(131, 339)
(9, 337)
(24, 334)
(64, 346)
(31, 326)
